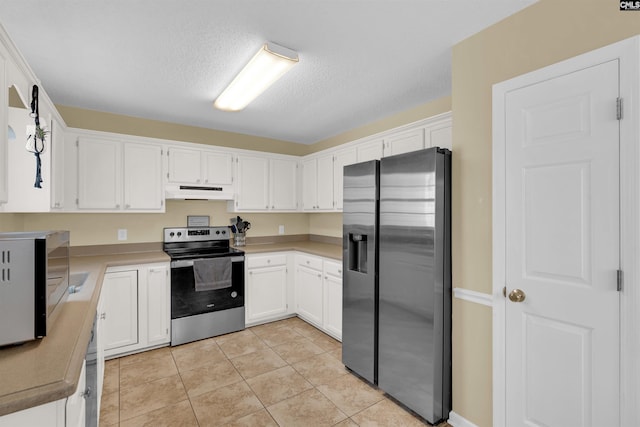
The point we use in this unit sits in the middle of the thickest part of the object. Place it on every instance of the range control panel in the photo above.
(196, 234)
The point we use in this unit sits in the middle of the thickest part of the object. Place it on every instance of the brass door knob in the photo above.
(517, 295)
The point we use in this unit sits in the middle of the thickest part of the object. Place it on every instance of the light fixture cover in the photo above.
(267, 66)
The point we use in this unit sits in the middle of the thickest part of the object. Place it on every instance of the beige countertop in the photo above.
(326, 250)
(48, 369)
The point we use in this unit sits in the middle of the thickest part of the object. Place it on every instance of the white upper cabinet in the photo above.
(404, 142)
(283, 181)
(116, 176)
(142, 177)
(99, 174)
(317, 183)
(200, 167)
(322, 180)
(340, 160)
(57, 164)
(265, 184)
(253, 183)
(184, 166)
(371, 150)
(218, 167)
(4, 112)
(439, 135)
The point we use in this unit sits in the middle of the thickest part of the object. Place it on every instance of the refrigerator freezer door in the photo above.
(359, 318)
(414, 320)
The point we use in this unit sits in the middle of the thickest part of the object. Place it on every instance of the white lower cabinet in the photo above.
(280, 284)
(136, 308)
(319, 293)
(68, 412)
(267, 288)
(332, 290)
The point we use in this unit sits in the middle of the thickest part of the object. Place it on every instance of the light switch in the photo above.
(122, 234)
(281, 229)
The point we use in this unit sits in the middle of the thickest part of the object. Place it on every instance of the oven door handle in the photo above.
(189, 262)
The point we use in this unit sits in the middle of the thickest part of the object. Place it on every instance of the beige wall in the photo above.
(326, 224)
(97, 229)
(545, 33)
(11, 222)
(108, 122)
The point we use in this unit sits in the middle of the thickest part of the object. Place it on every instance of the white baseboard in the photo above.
(473, 296)
(459, 421)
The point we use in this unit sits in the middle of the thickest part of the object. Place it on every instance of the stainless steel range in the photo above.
(207, 283)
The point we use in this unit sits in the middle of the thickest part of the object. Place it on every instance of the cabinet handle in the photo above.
(266, 207)
(206, 181)
(198, 180)
(268, 261)
(307, 261)
(127, 206)
(273, 207)
(339, 271)
(320, 275)
(251, 272)
(117, 206)
(103, 316)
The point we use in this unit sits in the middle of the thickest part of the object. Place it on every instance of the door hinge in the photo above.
(619, 108)
(504, 291)
(620, 279)
(77, 142)
(167, 175)
(77, 201)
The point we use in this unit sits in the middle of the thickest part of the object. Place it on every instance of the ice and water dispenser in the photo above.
(358, 252)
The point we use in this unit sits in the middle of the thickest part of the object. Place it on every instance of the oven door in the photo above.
(186, 301)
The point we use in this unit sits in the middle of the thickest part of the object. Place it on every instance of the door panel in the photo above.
(562, 250)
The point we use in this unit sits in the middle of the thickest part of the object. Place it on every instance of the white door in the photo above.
(562, 250)
(332, 318)
(325, 182)
(404, 142)
(309, 184)
(218, 168)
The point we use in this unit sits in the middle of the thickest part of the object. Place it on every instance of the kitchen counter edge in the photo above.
(51, 366)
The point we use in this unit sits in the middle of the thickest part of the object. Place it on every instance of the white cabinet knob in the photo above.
(268, 261)
(320, 275)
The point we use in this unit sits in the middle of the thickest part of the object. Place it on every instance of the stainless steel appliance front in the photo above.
(201, 312)
(34, 280)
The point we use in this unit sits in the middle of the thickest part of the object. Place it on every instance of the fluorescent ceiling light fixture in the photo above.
(267, 66)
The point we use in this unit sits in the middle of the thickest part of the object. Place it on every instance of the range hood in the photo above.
(198, 192)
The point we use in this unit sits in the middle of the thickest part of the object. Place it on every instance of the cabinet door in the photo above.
(218, 168)
(266, 293)
(333, 305)
(325, 182)
(184, 166)
(120, 293)
(283, 183)
(309, 294)
(57, 164)
(309, 184)
(342, 159)
(369, 151)
(142, 177)
(4, 136)
(76, 405)
(158, 305)
(253, 183)
(99, 174)
(404, 142)
(438, 136)
(99, 333)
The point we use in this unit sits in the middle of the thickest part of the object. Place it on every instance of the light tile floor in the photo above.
(285, 373)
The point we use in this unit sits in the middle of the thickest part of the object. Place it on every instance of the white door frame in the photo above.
(628, 54)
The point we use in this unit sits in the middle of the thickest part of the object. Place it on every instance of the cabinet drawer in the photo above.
(309, 261)
(266, 260)
(333, 268)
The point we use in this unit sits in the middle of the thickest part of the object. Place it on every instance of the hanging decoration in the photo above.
(36, 142)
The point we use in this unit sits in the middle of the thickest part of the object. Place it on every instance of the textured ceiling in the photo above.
(360, 60)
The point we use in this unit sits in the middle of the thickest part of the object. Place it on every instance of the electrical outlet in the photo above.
(281, 229)
(122, 234)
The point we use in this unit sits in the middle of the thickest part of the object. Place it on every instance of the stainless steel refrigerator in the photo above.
(397, 278)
